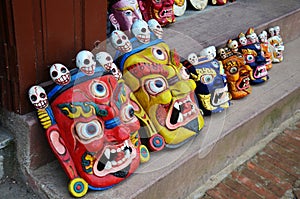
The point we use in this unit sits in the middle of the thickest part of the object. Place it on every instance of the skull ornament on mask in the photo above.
(156, 28)
(161, 10)
(211, 90)
(209, 52)
(38, 97)
(193, 59)
(93, 130)
(105, 60)
(162, 86)
(85, 61)
(141, 31)
(60, 74)
(120, 41)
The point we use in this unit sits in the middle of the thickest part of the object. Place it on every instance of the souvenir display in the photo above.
(179, 7)
(161, 10)
(91, 127)
(163, 88)
(123, 13)
(199, 4)
(275, 44)
(253, 55)
(264, 43)
(211, 90)
(238, 74)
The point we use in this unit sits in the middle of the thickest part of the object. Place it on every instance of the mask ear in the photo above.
(175, 58)
(114, 21)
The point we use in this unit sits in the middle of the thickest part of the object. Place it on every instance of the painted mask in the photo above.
(162, 86)
(211, 90)
(161, 10)
(218, 2)
(179, 7)
(264, 43)
(253, 56)
(123, 13)
(199, 4)
(237, 73)
(276, 47)
(91, 128)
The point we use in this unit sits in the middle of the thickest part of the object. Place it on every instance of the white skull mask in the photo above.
(209, 52)
(120, 41)
(115, 71)
(85, 61)
(222, 53)
(263, 37)
(243, 41)
(60, 74)
(233, 45)
(141, 31)
(38, 97)
(252, 38)
(276, 30)
(105, 60)
(156, 28)
(271, 32)
(193, 59)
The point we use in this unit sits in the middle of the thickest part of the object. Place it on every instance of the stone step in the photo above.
(177, 173)
(7, 154)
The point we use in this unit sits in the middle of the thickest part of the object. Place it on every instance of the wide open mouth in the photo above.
(115, 160)
(220, 96)
(166, 12)
(243, 83)
(260, 72)
(179, 113)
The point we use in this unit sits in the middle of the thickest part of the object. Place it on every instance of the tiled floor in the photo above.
(272, 173)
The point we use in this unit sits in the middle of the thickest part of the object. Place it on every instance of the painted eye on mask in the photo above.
(155, 86)
(88, 131)
(99, 89)
(207, 79)
(250, 58)
(127, 113)
(233, 70)
(159, 54)
(128, 13)
(215, 64)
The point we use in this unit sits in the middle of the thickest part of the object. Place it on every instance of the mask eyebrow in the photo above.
(126, 8)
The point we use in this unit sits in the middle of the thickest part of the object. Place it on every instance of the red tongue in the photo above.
(186, 107)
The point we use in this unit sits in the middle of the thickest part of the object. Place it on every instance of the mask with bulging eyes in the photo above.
(92, 129)
(160, 10)
(212, 91)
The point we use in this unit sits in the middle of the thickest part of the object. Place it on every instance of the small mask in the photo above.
(276, 49)
(211, 90)
(254, 57)
(179, 7)
(123, 13)
(161, 10)
(264, 43)
(199, 4)
(86, 62)
(238, 75)
(219, 2)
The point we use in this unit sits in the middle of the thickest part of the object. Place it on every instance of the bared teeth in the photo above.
(107, 153)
